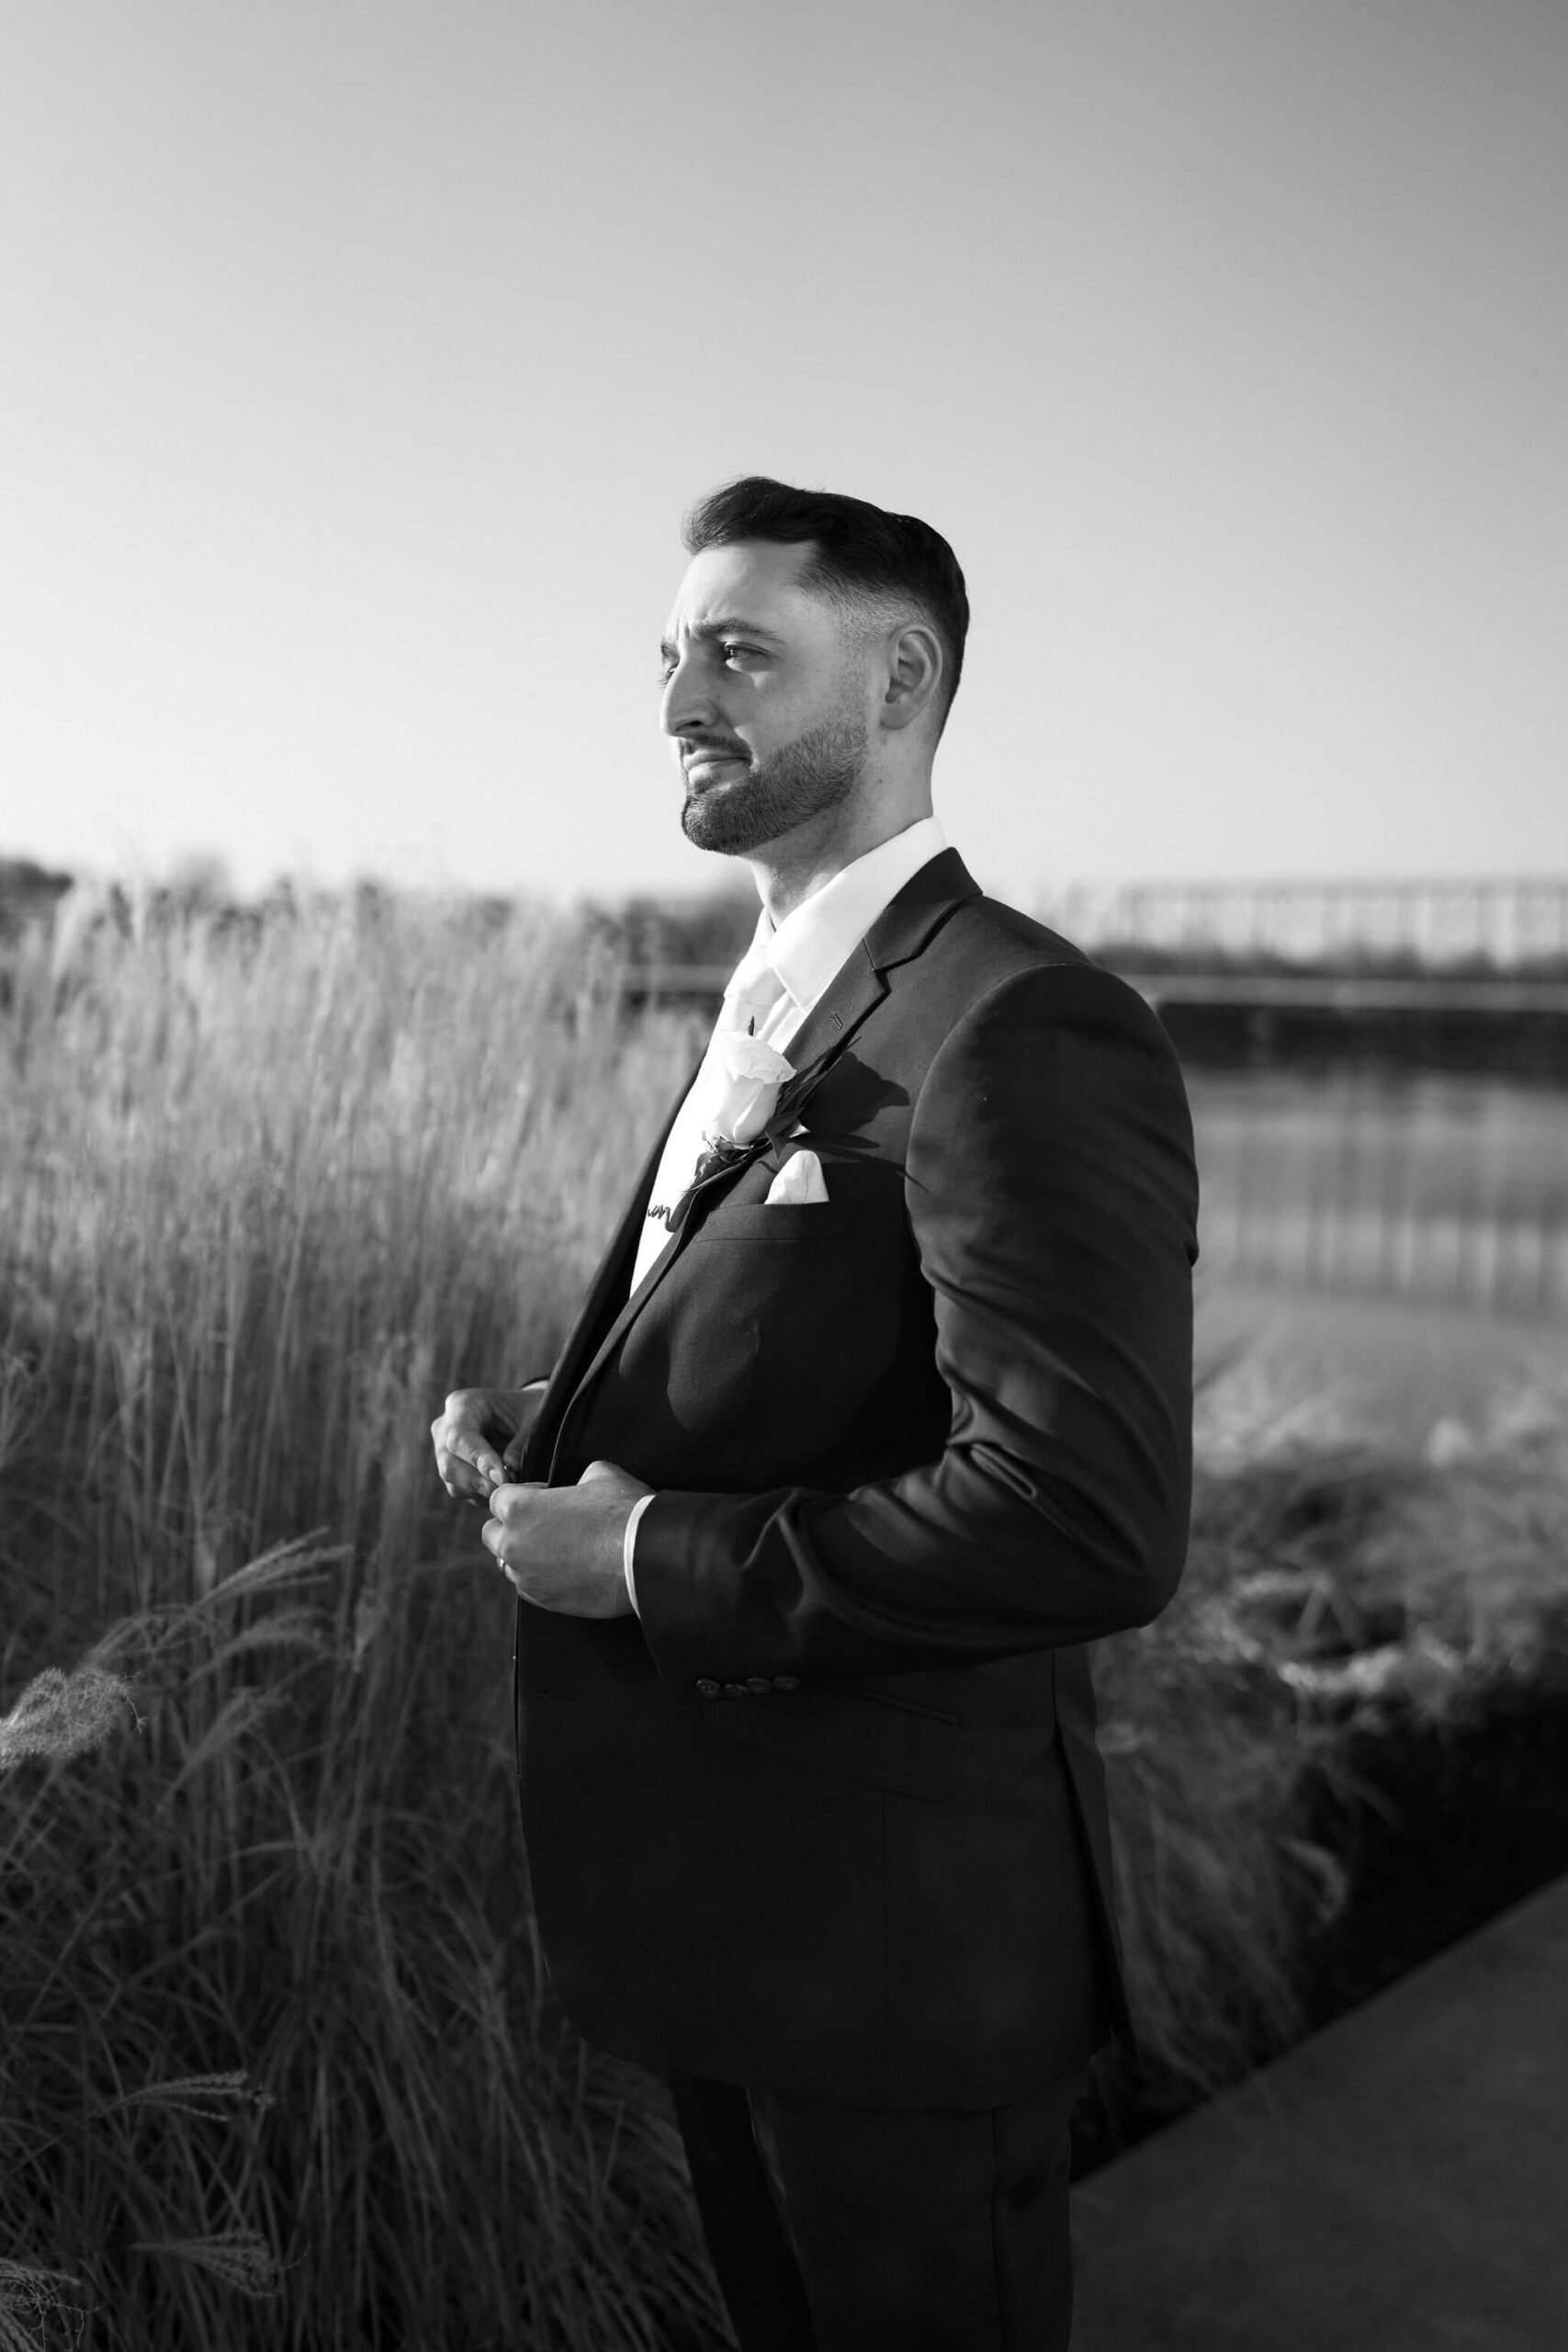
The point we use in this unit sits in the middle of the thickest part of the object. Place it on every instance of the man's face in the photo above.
(764, 698)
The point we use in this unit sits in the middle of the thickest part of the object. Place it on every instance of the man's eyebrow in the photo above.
(706, 632)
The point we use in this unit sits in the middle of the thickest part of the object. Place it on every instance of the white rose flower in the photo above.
(742, 1087)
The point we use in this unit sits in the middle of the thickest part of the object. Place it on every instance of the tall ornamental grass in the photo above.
(279, 2064)
(1341, 1598)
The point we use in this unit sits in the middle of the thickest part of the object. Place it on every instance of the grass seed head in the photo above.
(61, 1715)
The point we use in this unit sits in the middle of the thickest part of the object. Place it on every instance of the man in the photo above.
(877, 1411)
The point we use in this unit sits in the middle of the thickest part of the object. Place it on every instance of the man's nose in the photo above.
(688, 705)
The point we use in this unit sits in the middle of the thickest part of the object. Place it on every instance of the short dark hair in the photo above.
(859, 548)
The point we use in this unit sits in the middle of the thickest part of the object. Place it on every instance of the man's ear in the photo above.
(914, 674)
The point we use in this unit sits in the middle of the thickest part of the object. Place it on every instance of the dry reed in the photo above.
(281, 2066)
(1333, 1588)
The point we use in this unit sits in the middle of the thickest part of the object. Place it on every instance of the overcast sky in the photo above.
(356, 361)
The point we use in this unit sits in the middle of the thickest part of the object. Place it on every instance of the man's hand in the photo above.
(478, 1437)
(562, 1546)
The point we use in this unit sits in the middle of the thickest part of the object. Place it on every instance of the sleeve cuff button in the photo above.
(707, 1689)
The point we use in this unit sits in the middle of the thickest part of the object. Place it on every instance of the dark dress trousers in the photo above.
(827, 1817)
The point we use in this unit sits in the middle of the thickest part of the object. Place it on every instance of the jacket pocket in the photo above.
(783, 1221)
(910, 1751)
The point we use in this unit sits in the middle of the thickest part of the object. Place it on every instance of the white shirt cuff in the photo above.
(629, 1546)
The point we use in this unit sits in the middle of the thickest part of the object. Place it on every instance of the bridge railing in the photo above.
(1504, 924)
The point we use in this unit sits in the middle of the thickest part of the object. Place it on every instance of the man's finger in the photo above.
(478, 1450)
(476, 1455)
(511, 1498)
(493, 1535)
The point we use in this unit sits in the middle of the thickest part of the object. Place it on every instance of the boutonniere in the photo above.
(758, 1099)
(748, 1076)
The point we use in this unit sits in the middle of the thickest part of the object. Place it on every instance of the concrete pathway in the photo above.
(1399, 2183)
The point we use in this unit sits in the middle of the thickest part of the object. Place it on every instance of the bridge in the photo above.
(1482, 950)
(1504, 924)
(1348, 994)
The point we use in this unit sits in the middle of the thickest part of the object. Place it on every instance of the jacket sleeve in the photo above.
(1052, 1195)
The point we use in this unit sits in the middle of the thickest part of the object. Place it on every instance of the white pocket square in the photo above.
(799, 1183)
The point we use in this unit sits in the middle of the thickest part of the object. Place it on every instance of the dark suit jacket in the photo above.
(827, 1817)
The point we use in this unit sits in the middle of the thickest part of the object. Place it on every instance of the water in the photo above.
(1441, 1188)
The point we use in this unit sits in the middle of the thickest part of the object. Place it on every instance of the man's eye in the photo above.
(728, 649)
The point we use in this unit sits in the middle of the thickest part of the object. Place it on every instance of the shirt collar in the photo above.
(820, 936)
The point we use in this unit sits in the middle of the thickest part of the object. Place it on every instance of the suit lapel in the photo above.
(856, 988)
(609, 1283)
(922, 906)
(582, 1382)
(852, 993)
(899, 932)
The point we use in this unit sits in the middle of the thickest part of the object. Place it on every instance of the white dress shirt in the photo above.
(778, 981)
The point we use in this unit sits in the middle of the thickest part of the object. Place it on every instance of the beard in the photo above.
(804, 779)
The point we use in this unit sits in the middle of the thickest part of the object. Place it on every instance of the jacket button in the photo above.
(786, 1682)
(706, 1689)
(758, 1685)
(736, 1690)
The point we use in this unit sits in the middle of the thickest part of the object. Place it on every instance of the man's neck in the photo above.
(790, 871)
